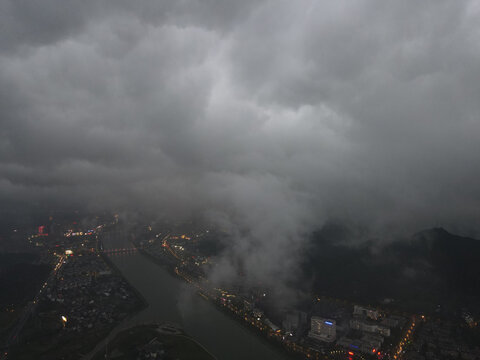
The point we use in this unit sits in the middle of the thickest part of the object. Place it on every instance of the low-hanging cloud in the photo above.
(270, 117)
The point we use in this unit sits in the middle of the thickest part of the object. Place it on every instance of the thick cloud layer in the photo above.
(268, 116)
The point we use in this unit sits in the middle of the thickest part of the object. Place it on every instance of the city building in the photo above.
(372, 341)
(393, 321)
(294, 320)
(367, 344)
(322, 329)
(367, 312)
(362, 324)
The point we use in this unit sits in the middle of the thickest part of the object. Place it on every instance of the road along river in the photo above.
(170, 299)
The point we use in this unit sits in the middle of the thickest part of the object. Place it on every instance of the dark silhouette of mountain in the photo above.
(431, 268)
(455, 258)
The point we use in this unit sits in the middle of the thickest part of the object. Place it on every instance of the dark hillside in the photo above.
(431, 268)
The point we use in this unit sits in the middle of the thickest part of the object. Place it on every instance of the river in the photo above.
(171, 299)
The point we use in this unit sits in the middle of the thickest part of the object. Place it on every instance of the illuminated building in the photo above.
(365, 345)
(42, 230)
(323, 329)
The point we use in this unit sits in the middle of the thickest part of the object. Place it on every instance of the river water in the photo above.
(171, 299)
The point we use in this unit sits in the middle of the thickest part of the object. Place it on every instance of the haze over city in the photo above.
(288, 130)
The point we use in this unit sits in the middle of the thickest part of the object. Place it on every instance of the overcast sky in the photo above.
(270, 117)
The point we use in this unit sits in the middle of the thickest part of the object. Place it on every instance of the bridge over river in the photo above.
(119, 250)
(172, 300)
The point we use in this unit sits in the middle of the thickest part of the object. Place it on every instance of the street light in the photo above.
(64, 320)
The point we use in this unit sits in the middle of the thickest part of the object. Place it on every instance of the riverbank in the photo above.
(267, 336)
(173, 300)
(150, 339)
(160, 262)
(143, 304)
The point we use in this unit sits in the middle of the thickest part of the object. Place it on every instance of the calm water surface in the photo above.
(170, 299)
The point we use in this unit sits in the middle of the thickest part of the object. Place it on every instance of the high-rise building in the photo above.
(323, 329)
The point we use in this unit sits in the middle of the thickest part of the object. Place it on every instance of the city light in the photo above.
(64, 320)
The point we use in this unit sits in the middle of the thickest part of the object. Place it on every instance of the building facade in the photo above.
(323, 329)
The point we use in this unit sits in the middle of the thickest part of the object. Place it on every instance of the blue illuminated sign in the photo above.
(328, 323)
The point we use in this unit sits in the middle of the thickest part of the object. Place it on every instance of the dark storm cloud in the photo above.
(270, 117)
